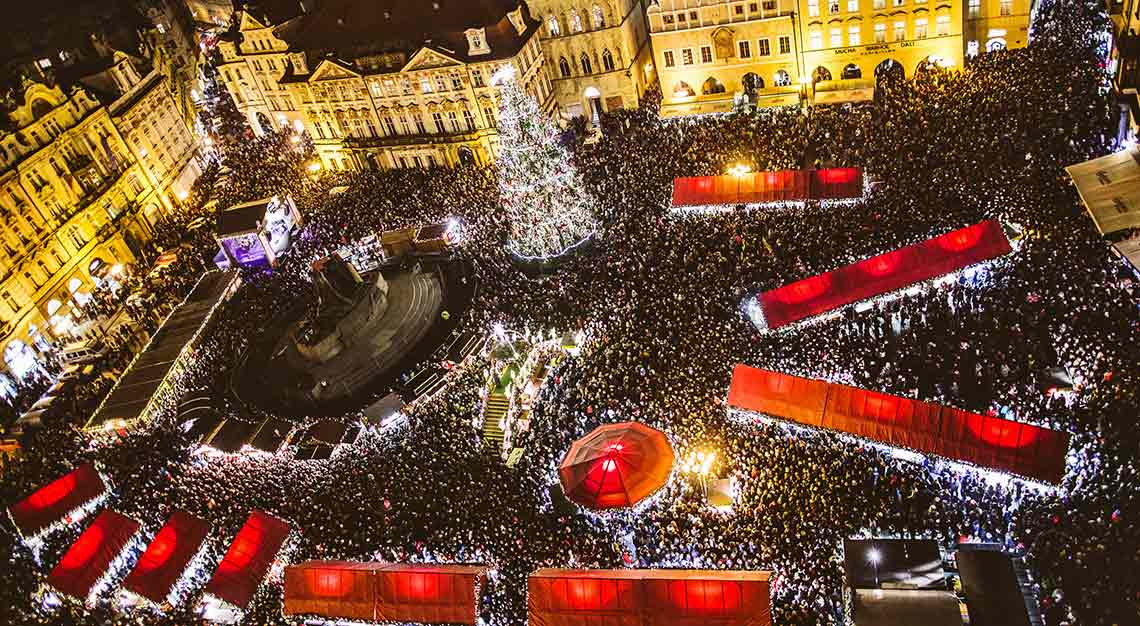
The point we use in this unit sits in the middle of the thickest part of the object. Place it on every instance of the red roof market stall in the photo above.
(983, 440)
(56, 500)
(92, 555)
(248, 559)
(384, 592)
(616, 465)
(638, 597)
(841, 183)
(167, 557)
(883, 274)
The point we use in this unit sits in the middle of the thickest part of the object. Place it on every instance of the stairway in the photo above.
(494, 411)
(1029, 590)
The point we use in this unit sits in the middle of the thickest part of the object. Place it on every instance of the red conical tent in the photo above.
(616, 465)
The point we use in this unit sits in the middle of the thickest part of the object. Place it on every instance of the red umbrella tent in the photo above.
(616, 465)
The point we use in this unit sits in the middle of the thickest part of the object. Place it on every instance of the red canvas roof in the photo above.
(384, 592)
(167, 557)
(92, 553)
(559, 597)
(983, 440)
(248, 559)
(52, 502)
(761, 187)
(883, 273)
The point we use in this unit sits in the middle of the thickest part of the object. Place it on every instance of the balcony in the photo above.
(412, 140)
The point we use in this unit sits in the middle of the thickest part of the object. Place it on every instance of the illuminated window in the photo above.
(1006, 7)
(920, 28)
(975, 8)
(552, 26)
(943, 24)
(816, 40)
(836, 38)
(900, 31)
(813, 8)
(687, 56)
(853, 33)
(880, 32)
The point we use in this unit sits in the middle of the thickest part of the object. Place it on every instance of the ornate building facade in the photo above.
(997, 24)
(85, 173)
(597, 52)
(709, 53)
(371, 95)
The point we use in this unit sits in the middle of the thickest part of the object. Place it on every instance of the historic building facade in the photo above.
(996, 24)
(597, 53)
(370, 99)
(778, 51)
(707, 53)
(70, 195)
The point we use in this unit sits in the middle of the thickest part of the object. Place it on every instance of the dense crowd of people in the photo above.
(659, 298)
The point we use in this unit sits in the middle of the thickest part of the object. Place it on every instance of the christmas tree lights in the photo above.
(550, 211)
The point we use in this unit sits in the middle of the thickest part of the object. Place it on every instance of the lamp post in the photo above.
(874, 556)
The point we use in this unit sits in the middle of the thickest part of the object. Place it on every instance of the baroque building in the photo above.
(597, 53)
(91, 161)
(405, 84)
(711, 53)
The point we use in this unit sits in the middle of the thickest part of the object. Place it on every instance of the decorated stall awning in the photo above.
(639, 597)
(841, 183)
(57, 500)
(983, 440)
(92, 554)
(248, 559)
(616, 465)
(384, 592)
(883, 274)
(1110, 189)
(166, 558)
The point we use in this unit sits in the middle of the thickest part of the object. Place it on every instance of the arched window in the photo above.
(995, 44)
(598, 17)
(752, 82)
(712, 86)
(564, 67)
(575, 21)
(607, 60)
(53, 306)
(852, 71)
(552, 26)
(587, 68)
(821, 73)
(782, 79)
(683, 90)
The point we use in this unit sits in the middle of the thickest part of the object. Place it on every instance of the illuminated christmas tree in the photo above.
(549, 209)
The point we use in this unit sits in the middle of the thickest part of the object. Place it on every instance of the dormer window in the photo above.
(477, 41)
(516, 18)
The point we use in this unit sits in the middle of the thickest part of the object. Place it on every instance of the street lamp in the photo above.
(874, 556)
(738, 172)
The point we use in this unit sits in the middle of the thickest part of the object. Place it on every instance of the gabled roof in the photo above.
(351, 29)
(428, 57)
(332, 69)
